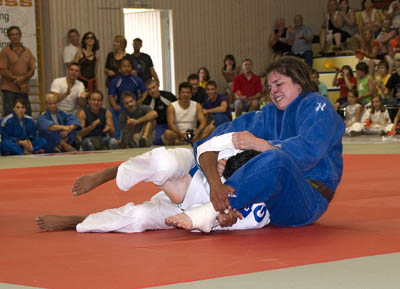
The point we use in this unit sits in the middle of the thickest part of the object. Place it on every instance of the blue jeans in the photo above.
(9, 98)
(93, 143)
(115, 117)
(273, 177)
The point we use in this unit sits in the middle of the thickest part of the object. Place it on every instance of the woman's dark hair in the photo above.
(96, 42)
(349, 69)
(206, 72)
(232, 58)
(235, 162)
(296, 69)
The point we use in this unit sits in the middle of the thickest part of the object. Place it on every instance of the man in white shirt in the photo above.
(70, 92)
(73, 46)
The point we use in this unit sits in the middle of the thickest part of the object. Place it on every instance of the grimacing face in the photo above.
(283, 91)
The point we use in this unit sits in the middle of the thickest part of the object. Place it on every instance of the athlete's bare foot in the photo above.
(180, 221)
(49, 223)
(86, 183)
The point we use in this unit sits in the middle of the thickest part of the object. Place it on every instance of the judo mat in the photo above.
(362, 220)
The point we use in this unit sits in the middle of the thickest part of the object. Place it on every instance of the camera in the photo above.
(189, 135)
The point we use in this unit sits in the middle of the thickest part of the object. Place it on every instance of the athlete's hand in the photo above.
(219, 197)
(229, 219)
(244, 140)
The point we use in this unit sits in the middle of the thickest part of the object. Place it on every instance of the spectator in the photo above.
(17, 66)
(204, 76)
(182, 116)
(383, 39)
(323, 90)
(229, 71)
(125, 81)
(247, 88)
(216, 105)
(300, 38)
(392, 91)
(198, 93)
(72, 48)
(381, 77)
(396, 122)
(346, 83)
(158, 100)
(137, 122)
(278, 39)
(97, 125)
(18, 132)
(87, 59)
(115, 57)
(365, 83)
(144, 63)
(353, 115)
(369, 18)
(348, 17)
(57, 127)
(70, 92)
(393, 13)
(376, 118)
(368, 48)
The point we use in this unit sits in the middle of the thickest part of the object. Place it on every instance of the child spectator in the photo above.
(323, 90)
(376, 118)
(381, 77)
(353, 113)
(392, 91)
(346, 82)
(365, 83)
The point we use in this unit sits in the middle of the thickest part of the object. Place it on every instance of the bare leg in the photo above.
(176, 188)
(49, 223)
(86, 183)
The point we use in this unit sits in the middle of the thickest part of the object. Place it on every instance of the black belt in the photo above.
(326, 192)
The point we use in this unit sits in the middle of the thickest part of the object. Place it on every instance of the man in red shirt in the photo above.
(247, 88)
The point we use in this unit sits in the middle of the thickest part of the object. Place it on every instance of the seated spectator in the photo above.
(86, 57)
(247, 88)
(381, 77)
(369, 18)
(346, 83)
(278, 39)
(158, 100)
(392, 91)
(393, 13)
(97, 125)
(182, 116)
(229, 71)
(204, 76)
(376, 118)
(18, 133)
(322, 89)
(348, 17)
(72, 47)
(396, 124)
(125, 81)
(143, 62)
(382, 41)
(216, 105)
(114, 58)
(365, 83)
(70, 92)
(198, 93)
(368, 47)
(137, 122)
(57, 127)
(353, 115)
(300, 38)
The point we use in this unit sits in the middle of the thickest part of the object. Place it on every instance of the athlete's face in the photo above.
(19, 110)
(282, 89)
(52, 104)
(153, 89)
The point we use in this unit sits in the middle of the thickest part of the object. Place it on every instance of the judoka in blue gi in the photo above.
(300, 165)
(57, 127)
(124, 81)
(18, 133)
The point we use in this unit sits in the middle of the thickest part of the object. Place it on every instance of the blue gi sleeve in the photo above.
(8, 131)
(30, 129)
(43, 123)
(112, 87)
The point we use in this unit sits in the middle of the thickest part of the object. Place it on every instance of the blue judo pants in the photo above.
(9, 147)
(273, 177)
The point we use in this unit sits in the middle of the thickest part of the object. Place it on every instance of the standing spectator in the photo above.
(247, 88)
(70, 92)
(216, 105)
(125, 81)
(346, 83)
(323, 90)
(114, 58)
(137, 122)
(72, 48)
(365, 83)
(144, 63)
(204, 76)
(97, 125)
(300, 38)
(57, 127)
(158, 100)
(18, 133)
(198, 93)
(229, 71)
(278, 39)
(87, 59)
(17, 66)
(392, 91)
(376, 118)
(182, 116)
(369, 18)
